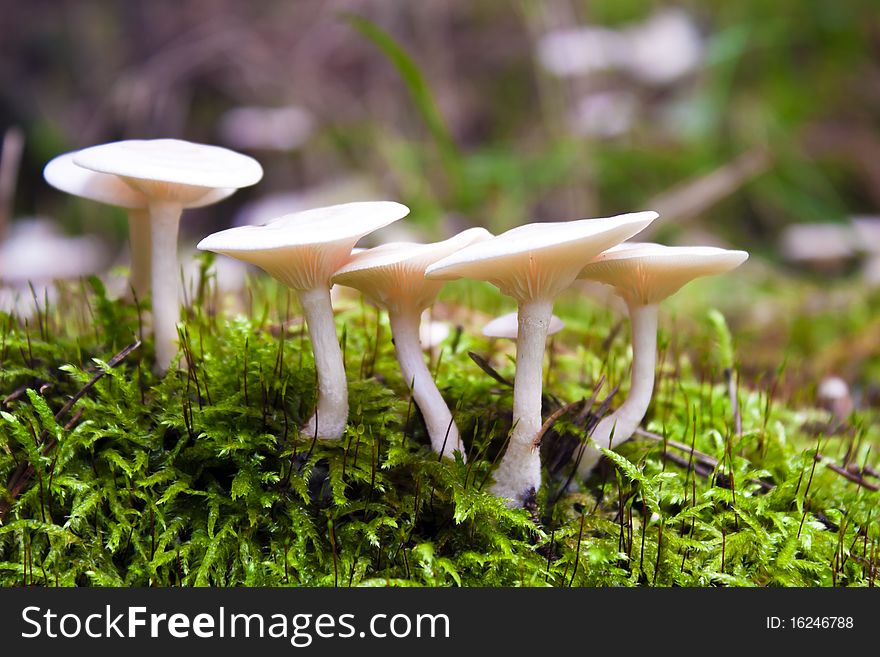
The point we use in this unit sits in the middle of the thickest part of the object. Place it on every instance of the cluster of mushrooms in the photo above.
(313, 250)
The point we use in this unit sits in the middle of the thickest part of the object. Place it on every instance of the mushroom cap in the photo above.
(817, 244)
(866, 231)
(304, 249)
(36, 250)
(646, 273)
(537, 261)
(171, 169)
(507, 326)
(580, 51)
(664, 48)
(432, 333)
(63, 173)
(832, 388)
(393, 275)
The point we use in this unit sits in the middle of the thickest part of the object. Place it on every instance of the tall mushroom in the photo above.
(62, 173)
(172, 175)
(533, 264)
(643, 275)
(392, 276)
(303, 250)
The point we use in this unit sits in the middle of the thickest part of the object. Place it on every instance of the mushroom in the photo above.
(171, 175)
(823, 247)
(392, 276)
(62, 173)
(645, 274)
(834, 396)
(432, 333)
(507, 326)
(585, 50)
(37, 253)
(866, 234)
(303, 250)
(533, 264)
(664, 48)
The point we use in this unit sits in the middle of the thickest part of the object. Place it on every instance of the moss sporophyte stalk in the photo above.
(294, 443)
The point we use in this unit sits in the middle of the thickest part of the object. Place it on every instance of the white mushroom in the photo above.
(172, 175)
(664, 48)
(643, 275)
(392, 276)
(303, 251)
(866, 233)
(62, 173)
(581, 51)
(533, 264)
(604, 114)
(432, 333)
(507, 326)
(37, 253)
(833, 395)
(820, 246)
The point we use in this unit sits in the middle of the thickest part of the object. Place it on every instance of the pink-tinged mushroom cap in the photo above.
(645, 273)
(538, 261)
(393, 275)
(64, 174)
(303, 250)
(533, 264)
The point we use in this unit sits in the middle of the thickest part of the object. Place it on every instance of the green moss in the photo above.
(202, 478)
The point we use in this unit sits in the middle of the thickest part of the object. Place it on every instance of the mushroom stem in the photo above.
(620, 425)
(140, 245)
(331, 412)
(442, 430)
(165, 218)
(518, 475)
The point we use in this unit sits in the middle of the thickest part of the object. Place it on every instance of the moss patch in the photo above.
(202, 477)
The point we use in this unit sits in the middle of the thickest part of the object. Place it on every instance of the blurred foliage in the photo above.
(386, 80)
